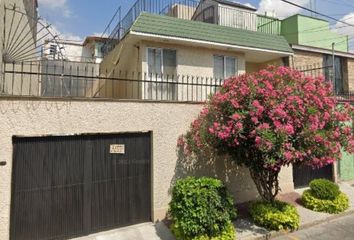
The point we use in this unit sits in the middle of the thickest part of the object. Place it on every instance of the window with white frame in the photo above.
(161, 61)
(224, 66)
(162, 65)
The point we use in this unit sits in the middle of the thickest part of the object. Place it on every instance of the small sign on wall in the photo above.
(117, 149)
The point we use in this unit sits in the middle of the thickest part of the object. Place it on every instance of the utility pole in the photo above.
(333, 68)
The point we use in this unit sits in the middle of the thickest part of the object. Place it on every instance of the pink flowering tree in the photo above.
(270, 119)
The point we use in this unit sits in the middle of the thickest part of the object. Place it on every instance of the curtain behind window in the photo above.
(328, 62)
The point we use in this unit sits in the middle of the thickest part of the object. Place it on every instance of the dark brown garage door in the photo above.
(303, 174)
(76, 185)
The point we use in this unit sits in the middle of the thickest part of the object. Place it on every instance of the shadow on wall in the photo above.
(236, 178)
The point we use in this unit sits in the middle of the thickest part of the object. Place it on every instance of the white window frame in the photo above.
(152, 97)
(224, 59)
(162, 65)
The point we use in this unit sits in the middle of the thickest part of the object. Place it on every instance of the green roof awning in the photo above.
(194, 30)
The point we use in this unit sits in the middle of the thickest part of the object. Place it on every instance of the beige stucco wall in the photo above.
(166, 121)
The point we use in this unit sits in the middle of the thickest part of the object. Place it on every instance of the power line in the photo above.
(318, 13)
(320, 29)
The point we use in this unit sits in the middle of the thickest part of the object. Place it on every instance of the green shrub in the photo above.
(228, 233)
(275, 216)
(201, 207)
(324, 189)
(337, 205)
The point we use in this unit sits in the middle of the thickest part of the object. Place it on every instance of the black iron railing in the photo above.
(61, 81)
(340, 85)
(190, 10)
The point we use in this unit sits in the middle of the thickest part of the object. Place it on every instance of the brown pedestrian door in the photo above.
(76, 185)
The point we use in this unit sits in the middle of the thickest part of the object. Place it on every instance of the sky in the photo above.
(76, 19)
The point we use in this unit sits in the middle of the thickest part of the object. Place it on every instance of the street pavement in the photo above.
(339, 229)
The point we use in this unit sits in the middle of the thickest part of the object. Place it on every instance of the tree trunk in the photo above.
(267, 183)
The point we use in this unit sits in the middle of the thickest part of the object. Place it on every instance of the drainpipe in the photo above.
(333, 68)
(336, 164)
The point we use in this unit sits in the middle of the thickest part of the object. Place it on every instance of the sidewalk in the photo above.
(246, 230)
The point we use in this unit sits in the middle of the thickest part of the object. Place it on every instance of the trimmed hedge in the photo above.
(275, 216)
(337, 205)
(324, 189)
(201, 207)
(228, 233)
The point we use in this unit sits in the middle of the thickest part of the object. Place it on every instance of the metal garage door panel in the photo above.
(121, 182)
(47, 188)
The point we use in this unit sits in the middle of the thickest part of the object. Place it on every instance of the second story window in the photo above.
(162, 66)
(224, 66)
(162, 61)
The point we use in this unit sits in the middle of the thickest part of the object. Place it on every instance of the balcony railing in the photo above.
(192, 10)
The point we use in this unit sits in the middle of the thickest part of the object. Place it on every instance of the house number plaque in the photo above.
(117, 149)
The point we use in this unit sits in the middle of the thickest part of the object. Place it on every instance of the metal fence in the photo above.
(47, 79)
(340, 84)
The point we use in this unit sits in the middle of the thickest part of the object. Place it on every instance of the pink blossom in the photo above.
(289, 129)
(256, 113)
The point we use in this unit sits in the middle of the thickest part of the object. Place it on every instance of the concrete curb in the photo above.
(273, 234)
(327, 219)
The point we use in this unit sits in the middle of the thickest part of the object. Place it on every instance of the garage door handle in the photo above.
(2, 163)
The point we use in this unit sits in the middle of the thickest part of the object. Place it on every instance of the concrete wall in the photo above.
(166, 121)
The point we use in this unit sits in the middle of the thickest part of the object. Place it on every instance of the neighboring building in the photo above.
(311, 39)
(318, 61)
(75, 50)
(311, 31)
(18, 30)
(315, 46)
